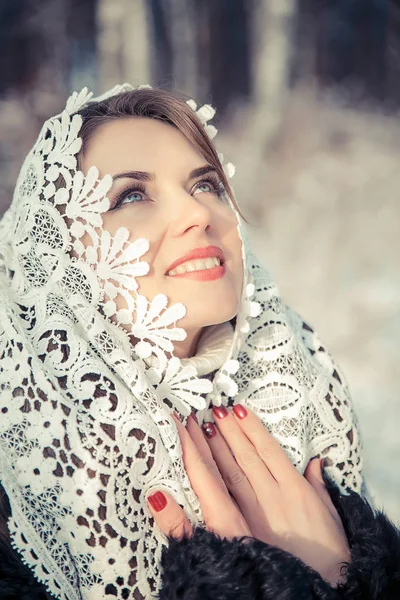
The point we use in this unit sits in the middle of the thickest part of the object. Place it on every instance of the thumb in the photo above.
(313, 474)
(168, 515)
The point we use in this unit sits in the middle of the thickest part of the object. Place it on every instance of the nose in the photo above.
(189, 212)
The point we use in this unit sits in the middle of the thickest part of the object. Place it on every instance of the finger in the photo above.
(220, 514)
(194, 459)
(313, 474)
(244, 451)
(168, 515)
(233, 476)
(198, 438)
(267, 447)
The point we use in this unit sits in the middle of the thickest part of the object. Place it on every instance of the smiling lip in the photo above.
(198, 253)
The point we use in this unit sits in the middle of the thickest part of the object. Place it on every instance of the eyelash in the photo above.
(211, 179)
(214, 181)
(138, 187)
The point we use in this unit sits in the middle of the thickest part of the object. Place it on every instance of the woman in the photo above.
(128, 294)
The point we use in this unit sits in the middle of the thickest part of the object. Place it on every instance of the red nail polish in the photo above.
(240, 411)
(220, 411)
(194, 417)
(158, 501)
(209, 429)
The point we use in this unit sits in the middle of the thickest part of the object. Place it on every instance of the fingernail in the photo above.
(194, 417)
(322, 463)
(209, 429)
(158, 501)
(220, 411)
(240, 411)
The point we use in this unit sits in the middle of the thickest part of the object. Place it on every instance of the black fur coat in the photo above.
(205, 567)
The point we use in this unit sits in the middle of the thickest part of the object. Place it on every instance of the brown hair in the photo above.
(159, 104)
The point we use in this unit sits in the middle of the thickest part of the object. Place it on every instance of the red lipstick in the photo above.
(204, 274)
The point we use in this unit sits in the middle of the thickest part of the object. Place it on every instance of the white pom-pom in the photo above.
(52, 173)
(232, 366)
(211, 131)
(91, 255)
(254, 309)
(205, 113)
(124, 316)
(192, 104)
(143, 349)
(226, 385)
(109, 308)
(229, 170)
(77, 229)
(244, 326)
(250, 289)
(78, 247)
(49, 190)
(61, 196)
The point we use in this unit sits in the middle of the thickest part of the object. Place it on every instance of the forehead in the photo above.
(142, 144)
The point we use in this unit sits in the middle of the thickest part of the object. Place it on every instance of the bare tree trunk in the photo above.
(34, 73)
(123, 43)
(82, 35)
(273, 24)
(182, 26)
(49, 20)
(228, 52)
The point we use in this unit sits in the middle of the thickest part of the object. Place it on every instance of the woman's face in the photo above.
(165, 191)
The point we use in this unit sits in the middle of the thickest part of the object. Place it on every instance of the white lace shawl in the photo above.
(85, 426)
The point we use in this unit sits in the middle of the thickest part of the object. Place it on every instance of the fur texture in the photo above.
(206, 567)
(16, 580)
(374, 571)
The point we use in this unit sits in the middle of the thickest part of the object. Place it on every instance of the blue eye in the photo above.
(210, 185)
(207, 188)
(130, 196)
(133, 197)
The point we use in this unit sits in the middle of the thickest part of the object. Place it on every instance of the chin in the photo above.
(206, 320)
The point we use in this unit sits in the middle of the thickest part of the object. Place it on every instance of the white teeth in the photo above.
(179, 270)
(209, 263)
(196, 265)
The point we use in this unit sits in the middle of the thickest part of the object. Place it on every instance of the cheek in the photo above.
(139, 227)
(239, 270)
(235, 244)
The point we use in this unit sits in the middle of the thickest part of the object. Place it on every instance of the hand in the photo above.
(271, 500)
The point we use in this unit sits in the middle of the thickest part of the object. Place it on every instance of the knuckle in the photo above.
(234, 478)
(231, 525)
(201, 461)
(248, 458)
(210, 465)
(220, 524)
(214, 470)
(268, 453)
(229, 427)
(176, 528)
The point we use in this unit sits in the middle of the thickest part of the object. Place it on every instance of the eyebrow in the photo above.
(145, 176)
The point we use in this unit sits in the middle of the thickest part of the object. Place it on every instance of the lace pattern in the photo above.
(86, 431)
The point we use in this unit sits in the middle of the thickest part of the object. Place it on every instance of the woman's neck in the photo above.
(187, 347)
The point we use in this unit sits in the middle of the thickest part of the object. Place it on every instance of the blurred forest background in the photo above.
(308, 99)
